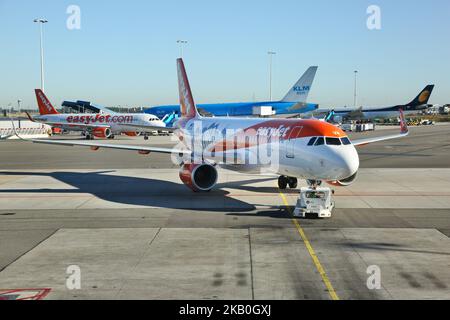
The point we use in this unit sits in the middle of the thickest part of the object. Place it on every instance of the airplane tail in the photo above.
(300, 91)
(45, 107)
(423, 97)
(187, 105)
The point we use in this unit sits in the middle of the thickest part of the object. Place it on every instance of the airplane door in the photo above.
(290, 146)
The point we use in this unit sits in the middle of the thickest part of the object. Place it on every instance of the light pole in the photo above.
(181, 43)
(355, 96)
(41, 22)
(271, 54)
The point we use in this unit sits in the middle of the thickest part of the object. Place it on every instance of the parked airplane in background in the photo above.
(420, 103)
(104, 125)
(293, 103)
(309, 149)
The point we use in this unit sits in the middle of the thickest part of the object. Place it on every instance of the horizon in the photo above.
(132, 64)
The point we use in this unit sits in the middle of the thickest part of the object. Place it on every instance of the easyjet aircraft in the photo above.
(308, 149)
(104, 125)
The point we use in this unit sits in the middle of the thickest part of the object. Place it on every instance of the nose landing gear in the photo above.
(284, 182)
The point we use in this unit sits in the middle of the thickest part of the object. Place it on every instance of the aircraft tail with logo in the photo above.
(300, 91)
(187, 104)
(423, 97)
(45, 106)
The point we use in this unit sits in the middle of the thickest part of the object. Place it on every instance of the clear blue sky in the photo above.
(125, 52)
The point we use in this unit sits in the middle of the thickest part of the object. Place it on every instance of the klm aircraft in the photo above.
(293, 103)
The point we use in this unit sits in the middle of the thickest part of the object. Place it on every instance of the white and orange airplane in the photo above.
(104, 125)
(290, 148)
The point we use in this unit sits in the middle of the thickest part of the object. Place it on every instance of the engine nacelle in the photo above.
(102, 133)
(199, 177)
(344, 182)
(131, 134)
(56, 130)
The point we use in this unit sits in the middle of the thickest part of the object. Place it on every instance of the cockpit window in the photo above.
(320, 142)
(346, 141)
(311, 142)
(333, 141)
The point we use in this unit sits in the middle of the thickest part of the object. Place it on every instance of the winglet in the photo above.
(187, 105)
(403, 125)
(30, 117)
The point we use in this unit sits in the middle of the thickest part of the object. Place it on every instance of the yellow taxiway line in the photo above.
(312, 253)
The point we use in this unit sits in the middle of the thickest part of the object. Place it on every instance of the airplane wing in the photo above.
(404, 131)
(97, 145)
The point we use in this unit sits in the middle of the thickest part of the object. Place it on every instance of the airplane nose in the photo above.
(349, 159)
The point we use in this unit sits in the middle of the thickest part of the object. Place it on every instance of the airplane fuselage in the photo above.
(279, 146)
(117, 123)
(239, 109)
(373, 112)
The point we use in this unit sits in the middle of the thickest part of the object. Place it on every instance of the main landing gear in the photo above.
(283, 182)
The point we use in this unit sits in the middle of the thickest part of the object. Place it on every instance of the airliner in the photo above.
(420, 103)
(299, 148)
(104, 125)
(294, 102)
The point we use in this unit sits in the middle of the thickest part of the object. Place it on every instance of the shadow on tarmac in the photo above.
(144, 191)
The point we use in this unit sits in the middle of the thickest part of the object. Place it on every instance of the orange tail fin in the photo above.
(45, 107)
(187, 105)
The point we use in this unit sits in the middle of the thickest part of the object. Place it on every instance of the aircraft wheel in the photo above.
(146, 138)
(293, 183)
(282, 182)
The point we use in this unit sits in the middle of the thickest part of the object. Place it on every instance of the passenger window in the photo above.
(333, 141)
(311, 142)
(346, 141)
(320, 141)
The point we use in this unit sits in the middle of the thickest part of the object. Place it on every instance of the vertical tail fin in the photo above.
(423, 96)
(300, 91)
(45, 107)
(187, 105)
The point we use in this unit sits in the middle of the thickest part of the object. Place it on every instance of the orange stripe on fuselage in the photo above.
(278, 129)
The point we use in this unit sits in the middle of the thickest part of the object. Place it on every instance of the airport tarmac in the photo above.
(425, 147)
(137, 233)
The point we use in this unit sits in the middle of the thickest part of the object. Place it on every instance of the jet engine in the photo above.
(199, 177)
(344, 182)
(102, 133)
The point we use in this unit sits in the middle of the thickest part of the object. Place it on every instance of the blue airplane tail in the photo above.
(300, 91)
(169, 119)
(423, 96)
